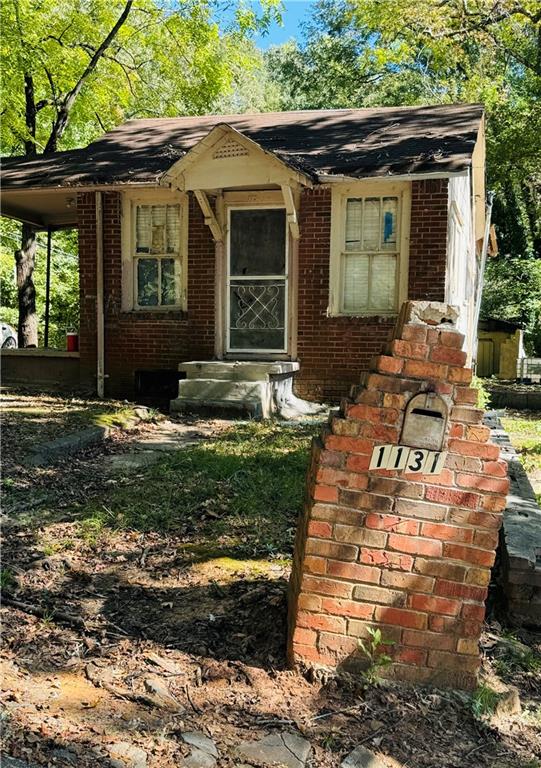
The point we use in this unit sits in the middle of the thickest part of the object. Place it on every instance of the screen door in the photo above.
(257, 280)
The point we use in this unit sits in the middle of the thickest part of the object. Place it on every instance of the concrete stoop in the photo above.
(259, 389)
(520, 537)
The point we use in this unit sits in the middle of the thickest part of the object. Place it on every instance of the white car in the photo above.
(9, 337)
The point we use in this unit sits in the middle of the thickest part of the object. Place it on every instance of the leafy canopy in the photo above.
(358, 53)
(167, 58)
(72, 69)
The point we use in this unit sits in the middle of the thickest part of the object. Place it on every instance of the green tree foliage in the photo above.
(64, 306)
(513, 292)
(72, 69)
(166, 59)
(359, 53)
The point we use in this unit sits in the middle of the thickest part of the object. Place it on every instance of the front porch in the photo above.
(47, 368)
(259, 388)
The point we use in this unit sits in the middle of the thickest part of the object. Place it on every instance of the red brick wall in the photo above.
(333, 350)
(201, 275)
(409, 553)
(86, 205)
(428, 238)
(141, 340)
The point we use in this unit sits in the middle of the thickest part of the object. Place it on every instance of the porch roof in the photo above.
(351, 142)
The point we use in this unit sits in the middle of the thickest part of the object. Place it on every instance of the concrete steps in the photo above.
(242, 386)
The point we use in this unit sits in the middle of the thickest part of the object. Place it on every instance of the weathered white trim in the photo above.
(157, 196)
(257, 197)
(220, 271)
(291, 210)
(280, 172)
(478, 183)
(460, 274)
(377, 188)
(294, 290)
(331, 178)
(208, 213)
(86, 188)
(100, 318)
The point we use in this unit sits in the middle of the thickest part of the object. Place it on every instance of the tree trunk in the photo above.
(30, 112)
(25, 259)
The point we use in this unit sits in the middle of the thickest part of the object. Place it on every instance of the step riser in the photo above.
(252, 396)
(236, 370)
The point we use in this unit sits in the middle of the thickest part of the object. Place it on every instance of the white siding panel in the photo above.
(461, 260)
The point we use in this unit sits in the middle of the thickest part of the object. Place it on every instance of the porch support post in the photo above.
(219, 280)
(208, 213)
(291, 210)
(291, 202)
(47, 288)
(100, 320)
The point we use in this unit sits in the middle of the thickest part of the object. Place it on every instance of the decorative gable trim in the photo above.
(223, 143)
(230, 148)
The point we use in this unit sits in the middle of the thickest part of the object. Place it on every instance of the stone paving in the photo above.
(284, 749)
(521, 537)
(166, 437)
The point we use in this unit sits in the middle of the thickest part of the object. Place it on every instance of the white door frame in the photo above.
(227, 283)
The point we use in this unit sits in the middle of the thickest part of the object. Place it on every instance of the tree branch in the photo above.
(59, 126)
(100, 121)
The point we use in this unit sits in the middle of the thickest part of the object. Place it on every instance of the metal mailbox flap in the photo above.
(425, 422)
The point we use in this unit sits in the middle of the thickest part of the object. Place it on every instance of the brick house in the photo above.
(285, 237)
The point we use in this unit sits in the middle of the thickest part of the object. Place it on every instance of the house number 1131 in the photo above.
(410, 460)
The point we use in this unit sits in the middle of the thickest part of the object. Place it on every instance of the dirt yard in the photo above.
(144, 584)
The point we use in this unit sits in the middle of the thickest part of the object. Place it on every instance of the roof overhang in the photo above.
(41, 208)
(56, 207)
(333, 178)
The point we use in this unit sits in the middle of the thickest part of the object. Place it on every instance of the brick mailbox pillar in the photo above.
(400, 527)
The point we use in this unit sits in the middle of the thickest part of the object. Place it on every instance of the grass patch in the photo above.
(484, 701)
(525, 434)
(7, 579)
(483, 395)
(515, 656)
(29, 419)
(92, 528)
(121, 417)
(54, 547)
(240, 493)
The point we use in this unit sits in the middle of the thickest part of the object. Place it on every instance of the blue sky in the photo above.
(295, 12)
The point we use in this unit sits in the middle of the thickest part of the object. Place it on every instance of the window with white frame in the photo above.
(367, 268)
(158, 256)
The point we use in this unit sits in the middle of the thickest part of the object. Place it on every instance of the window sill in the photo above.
(175, 313)
(378, 316)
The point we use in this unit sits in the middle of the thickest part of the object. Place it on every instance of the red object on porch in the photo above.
(72, 342)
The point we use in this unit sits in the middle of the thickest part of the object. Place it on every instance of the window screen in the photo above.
(369, 260)
(258, 242)
(157, 252)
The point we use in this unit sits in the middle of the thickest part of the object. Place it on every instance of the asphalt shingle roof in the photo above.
(351, 142)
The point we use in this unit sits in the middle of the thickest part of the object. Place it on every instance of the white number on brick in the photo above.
(411, 460)
(398, 457)
(380, 456)
(416, 460)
